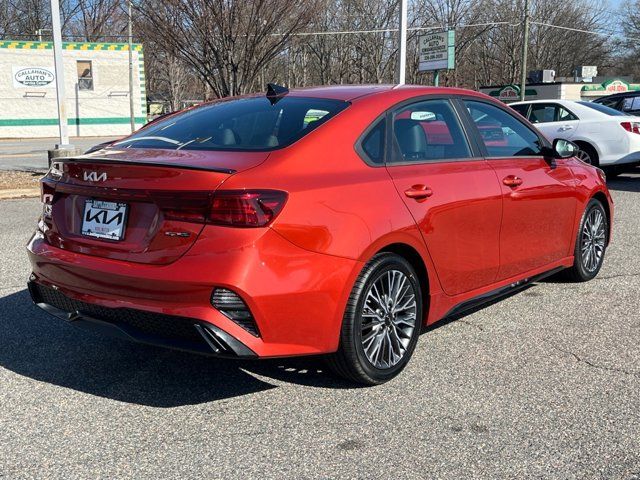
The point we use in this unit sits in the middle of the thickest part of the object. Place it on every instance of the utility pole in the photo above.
(525, 44)
(59, 68)
(132, 114)
(402, 48)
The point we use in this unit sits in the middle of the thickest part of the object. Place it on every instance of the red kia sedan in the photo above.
(334, 220)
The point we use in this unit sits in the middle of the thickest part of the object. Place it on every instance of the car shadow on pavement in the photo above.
(625, 183)
(44, 348)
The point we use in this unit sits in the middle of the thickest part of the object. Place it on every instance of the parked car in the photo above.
(628, 102)
(331, 220)
(606, 137)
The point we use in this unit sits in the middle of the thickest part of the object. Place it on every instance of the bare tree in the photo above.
(226, 42)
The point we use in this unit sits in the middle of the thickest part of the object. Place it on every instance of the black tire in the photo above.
(591, 153)
(351, 361)
(580, 272)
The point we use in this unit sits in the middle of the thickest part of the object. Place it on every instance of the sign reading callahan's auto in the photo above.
(30, 77)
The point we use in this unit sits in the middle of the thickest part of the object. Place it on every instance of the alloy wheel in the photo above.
(593, 240)
(584, 156)
(388, 319)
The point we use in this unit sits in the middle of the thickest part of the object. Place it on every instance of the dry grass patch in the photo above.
(19, 184)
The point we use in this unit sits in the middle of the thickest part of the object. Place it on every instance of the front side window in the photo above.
(502, 133)
(522, 109)
(85, 75)
(429, 131)
(244, 124)
(608, 102)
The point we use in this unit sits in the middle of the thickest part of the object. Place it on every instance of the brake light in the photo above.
(246, 208)
(633, 127)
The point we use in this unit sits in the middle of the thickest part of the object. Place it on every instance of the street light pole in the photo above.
(525, 44)
(59, 69)
(402, 48)
(132, 115)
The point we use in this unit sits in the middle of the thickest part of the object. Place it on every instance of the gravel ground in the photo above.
(545, 384)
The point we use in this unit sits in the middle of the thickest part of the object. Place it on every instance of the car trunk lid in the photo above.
(148, 206)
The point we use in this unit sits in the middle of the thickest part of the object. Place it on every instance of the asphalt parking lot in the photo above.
(545, 384)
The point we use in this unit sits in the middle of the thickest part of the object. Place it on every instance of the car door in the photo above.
(554, 120)
(450, 190)
(538, 193)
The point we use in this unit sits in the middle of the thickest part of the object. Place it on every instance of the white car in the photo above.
(606, 137)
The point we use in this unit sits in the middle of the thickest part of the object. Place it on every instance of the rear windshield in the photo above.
(604, 109)
(245, 124)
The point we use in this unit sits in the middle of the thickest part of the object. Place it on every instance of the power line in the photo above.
(579, 30)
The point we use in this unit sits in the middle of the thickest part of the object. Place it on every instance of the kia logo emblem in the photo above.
(94, 177)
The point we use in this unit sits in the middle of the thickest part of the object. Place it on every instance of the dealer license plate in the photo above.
(104, 219)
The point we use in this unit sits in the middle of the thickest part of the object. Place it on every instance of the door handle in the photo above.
(512, 181)
(418, 192)
(565, 127)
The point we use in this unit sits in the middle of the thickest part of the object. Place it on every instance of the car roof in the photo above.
(352, 92)
(621, 95)
(566, 102)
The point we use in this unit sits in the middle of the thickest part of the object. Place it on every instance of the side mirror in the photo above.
(564, 148)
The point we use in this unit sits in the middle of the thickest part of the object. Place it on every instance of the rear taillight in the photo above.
(633, 127)
(234, 208)
(246, 208)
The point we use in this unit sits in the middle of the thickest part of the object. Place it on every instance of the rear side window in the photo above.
(429, 131)
(542, 113)
(373, 143)
(502, 133)
(550, 112)
(238, 125)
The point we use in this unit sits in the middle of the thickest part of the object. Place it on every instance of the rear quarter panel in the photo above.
(338, 205)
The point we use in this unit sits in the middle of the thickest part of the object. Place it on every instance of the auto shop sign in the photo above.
(33, 77)
(437, 51)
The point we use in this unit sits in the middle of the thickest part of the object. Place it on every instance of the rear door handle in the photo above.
(418, 192)
(565, 127)
(512, 181)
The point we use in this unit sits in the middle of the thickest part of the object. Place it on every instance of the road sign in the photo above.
(437, 51)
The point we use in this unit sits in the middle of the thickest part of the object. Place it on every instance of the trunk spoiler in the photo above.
(111, 161)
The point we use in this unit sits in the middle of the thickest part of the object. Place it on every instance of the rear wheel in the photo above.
(381, 323)
(591, 243)
(587, 154)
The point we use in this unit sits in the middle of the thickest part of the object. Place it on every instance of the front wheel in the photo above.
(381, 323)
(591, 243)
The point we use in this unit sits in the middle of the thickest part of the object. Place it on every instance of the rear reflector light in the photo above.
(246, 208)
(633, 127)
(233, 307)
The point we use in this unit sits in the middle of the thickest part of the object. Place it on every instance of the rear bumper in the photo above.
(296, 297)
(160, 330)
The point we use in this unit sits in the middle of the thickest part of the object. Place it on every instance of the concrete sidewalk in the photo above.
(30, 154)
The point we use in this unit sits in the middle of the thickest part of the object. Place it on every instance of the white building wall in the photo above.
(31, 111)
